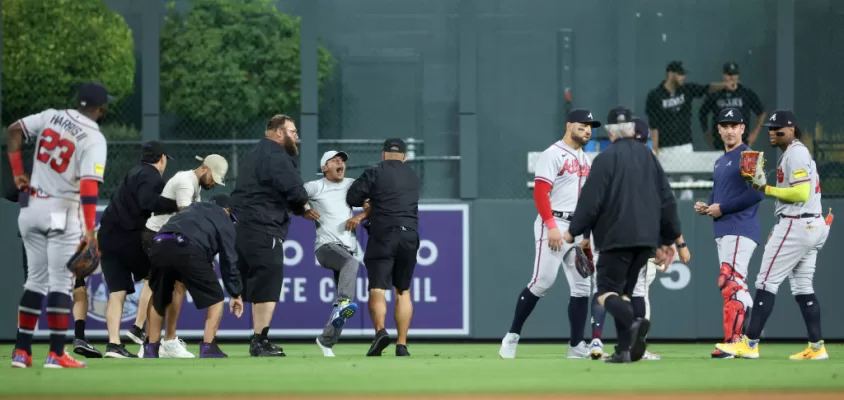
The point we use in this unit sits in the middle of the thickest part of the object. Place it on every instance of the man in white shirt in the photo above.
(183, 187)
(336, 245)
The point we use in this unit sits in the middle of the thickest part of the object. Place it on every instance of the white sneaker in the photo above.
(650, 356)
(596, 349)
(579, 351)
(174, 348)
(508, 345)
(326, 351)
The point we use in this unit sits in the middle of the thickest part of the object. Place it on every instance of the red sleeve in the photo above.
(541, 189)
(88, 190)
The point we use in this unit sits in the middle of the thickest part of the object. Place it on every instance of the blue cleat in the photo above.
(343, 311)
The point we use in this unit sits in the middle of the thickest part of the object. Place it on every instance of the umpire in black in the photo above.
(124, 260)
(268, 187)
(625, 191)
(184, 250)
(392, 190)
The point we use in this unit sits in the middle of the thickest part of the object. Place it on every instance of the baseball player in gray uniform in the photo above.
(69, 163)
(794, 243)
(336, 245)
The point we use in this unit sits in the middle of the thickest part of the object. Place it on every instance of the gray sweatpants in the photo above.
(338, 259)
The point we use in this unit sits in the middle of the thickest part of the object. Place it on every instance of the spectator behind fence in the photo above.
(669, 110)
(735, 95)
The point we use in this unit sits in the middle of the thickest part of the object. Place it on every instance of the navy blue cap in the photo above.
(676, 66)
(153, 150)
(92, 94)
(731, 68)
(583, 116)
(781, 119)
(619, 115)
(394, 145)
(641, 128)
(730, 116)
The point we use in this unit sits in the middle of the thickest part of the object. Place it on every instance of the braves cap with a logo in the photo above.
(583, 116)
(92, 94)
(781, 119)
(730, 116)
(641, 129)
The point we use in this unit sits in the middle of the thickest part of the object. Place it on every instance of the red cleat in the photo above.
(63, 361)
(21, 359)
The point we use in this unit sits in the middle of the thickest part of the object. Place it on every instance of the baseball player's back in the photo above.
(68, 165)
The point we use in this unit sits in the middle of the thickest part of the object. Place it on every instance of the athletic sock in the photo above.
(621, 310)
(578, 311)
(639, 308)
(763, 306)
(79, 329)
(265, 333)
(811, 310)
(29, 311)
(599, 315)
(524, 306)
(58, 319)
(622, 334)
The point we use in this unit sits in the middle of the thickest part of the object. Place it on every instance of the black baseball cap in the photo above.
(781, 119)
(92, 94)
(641, 128)
(394, 145)
(619, 115)
(153, 150)
(730, 116)
(583, 116)
(676, 66)
(731, 68)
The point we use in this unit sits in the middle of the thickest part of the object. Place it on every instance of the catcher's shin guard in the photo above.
(729, 281)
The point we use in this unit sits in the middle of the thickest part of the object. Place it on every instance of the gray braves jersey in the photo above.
(795, 167)
(566, 170)
(69, 148)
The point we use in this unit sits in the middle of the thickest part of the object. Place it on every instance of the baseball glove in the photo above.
(86, 259)
(582, 263)
(752, 167)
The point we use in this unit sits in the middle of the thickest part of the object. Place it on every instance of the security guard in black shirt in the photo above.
(184, 249)
(735, 96)
(625, 190)
(392, 190)
(124, 260)
(268, 187)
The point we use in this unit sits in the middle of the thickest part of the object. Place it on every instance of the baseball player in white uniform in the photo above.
(794, 243)
(69, 163)
(336, 245)
(184, 188)
(561, 171)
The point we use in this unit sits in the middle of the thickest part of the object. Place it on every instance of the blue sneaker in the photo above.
(343, 311)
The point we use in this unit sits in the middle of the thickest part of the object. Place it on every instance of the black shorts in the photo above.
(618, 270)
(260, 259)
(172, 261)
(123, 261)
(390, 259)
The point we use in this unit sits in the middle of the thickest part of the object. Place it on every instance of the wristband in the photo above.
(17, 163)
(551, 223)
(681, 245)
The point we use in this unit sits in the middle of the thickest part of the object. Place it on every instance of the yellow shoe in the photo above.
(742, 348)
(815, 351)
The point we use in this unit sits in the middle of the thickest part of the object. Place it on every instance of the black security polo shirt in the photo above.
(671, 113)
(392, 188)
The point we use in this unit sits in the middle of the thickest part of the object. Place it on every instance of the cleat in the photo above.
(579, 351)
(381, 341)
(508, 345)
(137, 335)
(175, 348)
(150, 350)
(326, 351)
(619, 358)
(21, 359)
(342, 312)
(263, 348)
(85, 349)
(720, 354)
(638, 333)
(211, 350)
(651, 356)
(63, 361)
(596, 349)
(743, 348)
(815, 351)
(118, 351)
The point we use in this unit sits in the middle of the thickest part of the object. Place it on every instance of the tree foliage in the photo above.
(231, 61)
(50, 46)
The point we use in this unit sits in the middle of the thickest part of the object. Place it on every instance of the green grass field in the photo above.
(432, 369)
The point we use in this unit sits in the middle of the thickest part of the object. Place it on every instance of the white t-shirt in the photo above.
(329, 200)
(182, 187)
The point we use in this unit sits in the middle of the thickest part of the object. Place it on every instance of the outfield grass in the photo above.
(433, 368)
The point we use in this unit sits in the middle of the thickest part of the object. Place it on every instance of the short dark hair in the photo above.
(277, 121)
